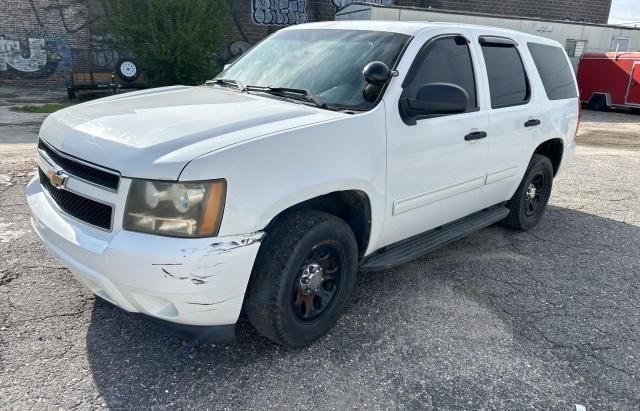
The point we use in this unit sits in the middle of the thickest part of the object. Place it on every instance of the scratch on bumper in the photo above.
(231, 243)
(206, 264)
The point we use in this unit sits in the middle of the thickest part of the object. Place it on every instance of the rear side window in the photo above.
(556, 75)
(508, 83)
(445, 60)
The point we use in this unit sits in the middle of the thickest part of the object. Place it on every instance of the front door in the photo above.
(633, 94)
(435, 168)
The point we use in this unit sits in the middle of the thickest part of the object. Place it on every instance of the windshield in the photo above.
(326, 63)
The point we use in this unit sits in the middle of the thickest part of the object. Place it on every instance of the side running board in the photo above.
(414, 247)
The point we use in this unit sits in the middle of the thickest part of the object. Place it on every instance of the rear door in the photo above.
(633, 93)
(515, 119)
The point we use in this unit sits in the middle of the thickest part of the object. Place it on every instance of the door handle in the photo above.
(476, 135)
(532, 123)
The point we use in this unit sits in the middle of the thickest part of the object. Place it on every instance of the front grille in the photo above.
(106, 179)
(81, 208)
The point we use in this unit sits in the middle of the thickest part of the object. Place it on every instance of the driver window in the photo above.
(445, 60)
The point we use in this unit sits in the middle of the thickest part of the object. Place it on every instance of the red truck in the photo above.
(610, 80)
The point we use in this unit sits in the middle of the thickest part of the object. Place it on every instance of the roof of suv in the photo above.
(410, 28)
(403, 27)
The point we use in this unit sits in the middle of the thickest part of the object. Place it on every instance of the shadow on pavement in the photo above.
(500, 319)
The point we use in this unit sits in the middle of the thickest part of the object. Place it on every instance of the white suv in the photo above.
(325, 150)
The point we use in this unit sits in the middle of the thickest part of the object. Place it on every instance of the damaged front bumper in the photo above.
(194, 282)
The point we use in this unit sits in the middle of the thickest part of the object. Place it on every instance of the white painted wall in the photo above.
(599, 37)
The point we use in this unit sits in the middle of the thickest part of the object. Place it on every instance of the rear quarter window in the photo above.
(555, 72)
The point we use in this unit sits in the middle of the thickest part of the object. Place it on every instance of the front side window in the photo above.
(326, 62)
(555, 72)
(445, 60)
(508, 83)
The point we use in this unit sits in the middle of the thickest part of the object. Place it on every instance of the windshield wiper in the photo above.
(227, 81)
(294, 93)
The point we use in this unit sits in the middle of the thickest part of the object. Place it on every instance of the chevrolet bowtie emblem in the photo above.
(57, 177)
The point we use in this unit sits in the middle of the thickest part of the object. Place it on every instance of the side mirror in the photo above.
(434, 99)
(376, 73)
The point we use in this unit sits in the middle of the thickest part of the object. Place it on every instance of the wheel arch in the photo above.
(607, 97)
(553, 149)
(352, 206)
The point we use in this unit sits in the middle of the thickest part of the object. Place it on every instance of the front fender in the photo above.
(272, 173)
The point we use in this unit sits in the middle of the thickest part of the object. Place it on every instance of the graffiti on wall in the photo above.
(341, 4)
(40, 58)
(32, 51)
(73, 18)
(12, 55)
(289, 12)
(279, 12)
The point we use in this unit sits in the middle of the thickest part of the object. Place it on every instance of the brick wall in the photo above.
(589, 11)
(36, 38)
(39, 37)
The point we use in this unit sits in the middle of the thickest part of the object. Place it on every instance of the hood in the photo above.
(154, 133)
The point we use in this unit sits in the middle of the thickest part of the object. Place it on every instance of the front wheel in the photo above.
(530, 199)
(303, 277)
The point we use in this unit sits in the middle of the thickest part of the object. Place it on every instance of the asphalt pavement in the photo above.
(501, 319)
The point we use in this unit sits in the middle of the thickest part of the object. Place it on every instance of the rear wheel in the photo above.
(303, 278)
(532, 196)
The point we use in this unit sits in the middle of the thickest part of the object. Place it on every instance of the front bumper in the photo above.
(199, 282)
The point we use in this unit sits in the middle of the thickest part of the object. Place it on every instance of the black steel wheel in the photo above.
(316, 285)
(532, 196)
(536, 194)
(302, 278)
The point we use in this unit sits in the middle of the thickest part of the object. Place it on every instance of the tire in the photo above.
(598, 103)
(127, 69)
(635, 110)
(276, 303)
(528, 205)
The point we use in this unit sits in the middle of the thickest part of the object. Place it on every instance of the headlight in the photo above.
(192, 209)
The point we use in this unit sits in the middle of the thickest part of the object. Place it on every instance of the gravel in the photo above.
(501, 319)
